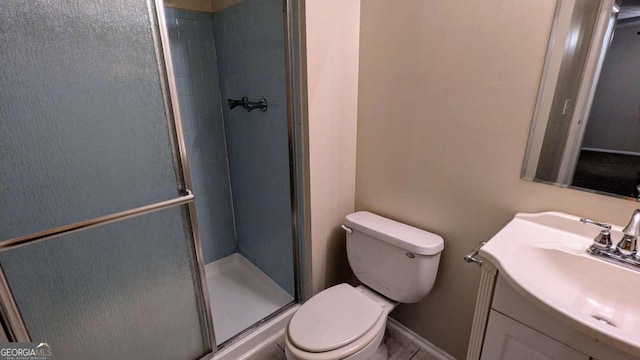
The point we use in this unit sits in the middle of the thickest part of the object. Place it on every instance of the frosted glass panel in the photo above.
(120, 291)
(82, 125)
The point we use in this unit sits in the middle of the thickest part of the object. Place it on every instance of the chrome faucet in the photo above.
(628, 246)
(626, 251)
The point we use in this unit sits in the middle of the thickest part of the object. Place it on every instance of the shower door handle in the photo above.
(186, 196)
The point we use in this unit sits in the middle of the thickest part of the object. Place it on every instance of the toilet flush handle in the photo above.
(347, 229)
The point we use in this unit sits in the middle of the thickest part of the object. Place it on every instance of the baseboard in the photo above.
(621, 152)
(275, 328)
(422, 342)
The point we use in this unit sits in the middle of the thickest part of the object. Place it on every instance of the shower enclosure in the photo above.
(140, 216)
(229, 67)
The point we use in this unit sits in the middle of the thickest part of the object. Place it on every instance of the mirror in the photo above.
(586, 127)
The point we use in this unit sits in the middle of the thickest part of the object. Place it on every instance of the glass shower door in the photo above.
(97, 254)
(124, 290)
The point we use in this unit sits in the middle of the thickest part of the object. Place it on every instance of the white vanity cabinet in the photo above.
(517, 329)
(507, 339)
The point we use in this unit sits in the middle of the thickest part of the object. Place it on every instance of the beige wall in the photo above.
(332, 31)
(446, 96)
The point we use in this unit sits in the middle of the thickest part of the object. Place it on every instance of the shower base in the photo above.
(240, 295)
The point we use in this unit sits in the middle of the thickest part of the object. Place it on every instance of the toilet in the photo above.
(395, 262)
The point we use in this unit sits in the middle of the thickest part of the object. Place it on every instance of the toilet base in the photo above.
(381, 354)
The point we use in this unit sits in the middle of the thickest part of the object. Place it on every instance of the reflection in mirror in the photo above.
(586, 127)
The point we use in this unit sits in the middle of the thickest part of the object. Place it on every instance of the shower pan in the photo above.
(137, 205)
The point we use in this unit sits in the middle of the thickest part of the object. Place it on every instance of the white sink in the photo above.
(543, 256)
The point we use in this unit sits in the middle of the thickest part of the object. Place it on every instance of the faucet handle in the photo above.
(603, 240)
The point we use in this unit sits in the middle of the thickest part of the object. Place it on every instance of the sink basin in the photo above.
(543, 256)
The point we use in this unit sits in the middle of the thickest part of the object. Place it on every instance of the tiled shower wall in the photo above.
(194, 62)
(251, 62)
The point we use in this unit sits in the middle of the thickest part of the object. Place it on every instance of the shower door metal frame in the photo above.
(172, 110)
(296, 144)
(10, 317)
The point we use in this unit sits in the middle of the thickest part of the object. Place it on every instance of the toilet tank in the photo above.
(397, 260)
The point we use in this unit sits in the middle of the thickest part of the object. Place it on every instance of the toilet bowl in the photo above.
(395, 262)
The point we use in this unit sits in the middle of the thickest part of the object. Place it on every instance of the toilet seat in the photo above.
(335, 324)
(333, 319)
(371, 340)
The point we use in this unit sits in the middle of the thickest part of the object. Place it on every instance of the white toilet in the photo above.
(395, 262)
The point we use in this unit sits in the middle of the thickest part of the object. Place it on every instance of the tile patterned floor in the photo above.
(400, 348)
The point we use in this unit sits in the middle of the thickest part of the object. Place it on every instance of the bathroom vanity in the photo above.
(542, 296)
(518, 329)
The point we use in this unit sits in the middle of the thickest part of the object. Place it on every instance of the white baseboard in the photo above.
(422, 342)
(269, 332)
(611, 151)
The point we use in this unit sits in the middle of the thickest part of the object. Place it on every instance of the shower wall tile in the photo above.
(175, 13)
(196, 72)
(249, 42)
(198, 15)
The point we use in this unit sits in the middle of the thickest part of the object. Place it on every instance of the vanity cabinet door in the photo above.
(506, 339)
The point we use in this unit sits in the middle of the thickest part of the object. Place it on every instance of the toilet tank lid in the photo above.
(396, 233)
